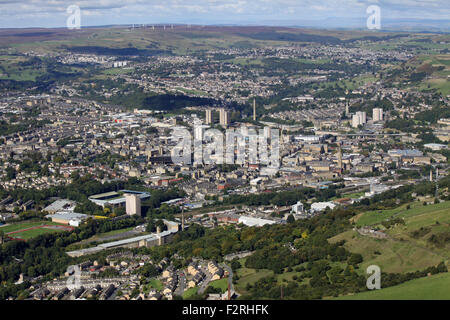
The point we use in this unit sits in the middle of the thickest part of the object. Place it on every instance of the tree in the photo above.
(161, 225)
(354, 259)
(290, 219)
(151, 227)
(235, 264)
(10, 173)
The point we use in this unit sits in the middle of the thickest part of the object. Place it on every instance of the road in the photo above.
(181, 284)
(206, 280)
(239, 255)
(230, 276)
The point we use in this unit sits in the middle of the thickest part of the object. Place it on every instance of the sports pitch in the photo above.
(28, 230)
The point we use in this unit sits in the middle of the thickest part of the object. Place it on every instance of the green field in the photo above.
(401, 252)
(248, 275)
(117, 71)
(190, 292)
(375, 217)
(438, 79)
(222, 284)
(246, 62)
(390, 254)
(436, 287)
(25, 225)
(33, 233)
(355, 195)
(28, 234)
(190, 91)
(153, 284)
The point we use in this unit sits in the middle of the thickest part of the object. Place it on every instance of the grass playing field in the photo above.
(31, 229)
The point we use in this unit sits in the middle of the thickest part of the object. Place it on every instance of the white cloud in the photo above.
(52, 12)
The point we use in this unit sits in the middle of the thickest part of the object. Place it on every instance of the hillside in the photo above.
(410, 246)
(435, 287)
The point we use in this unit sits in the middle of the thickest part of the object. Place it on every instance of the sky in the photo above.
(326, 13)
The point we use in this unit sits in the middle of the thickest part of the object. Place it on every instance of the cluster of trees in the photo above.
(7, 128)
(318, 279)
(321, 279)
(45, 254)
(392, 222)
(440, 240)
(395, 197)
(405, 125)
(84, 186)
(433, 115)
(393, 279)
(276, 198)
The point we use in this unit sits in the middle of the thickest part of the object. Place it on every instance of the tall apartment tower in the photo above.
(363, 117)
(254, 109)
(132, 204)
(355, 121)
(359, 118)
(224, 117)
(209, 116)
(377, 114)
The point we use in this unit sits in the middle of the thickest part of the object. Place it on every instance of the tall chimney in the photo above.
(340, 158)
(254, 109)
(158, 231)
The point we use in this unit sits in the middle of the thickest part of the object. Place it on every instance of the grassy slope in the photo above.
(222, 284)
(430, 288)
(417, 209)
(190, 292)
(401, 252)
